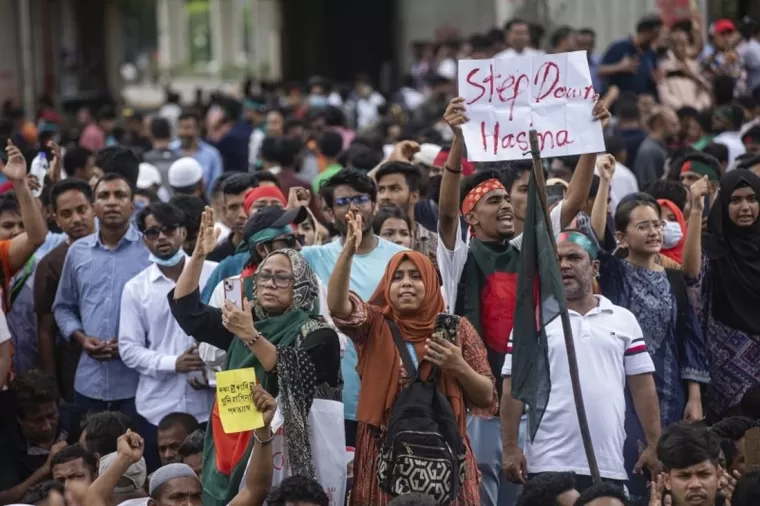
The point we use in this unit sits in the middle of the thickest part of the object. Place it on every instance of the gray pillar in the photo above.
(27, 58)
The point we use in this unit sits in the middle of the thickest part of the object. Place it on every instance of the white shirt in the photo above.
(610, 347)
(511, 53)
(151, 341)
(623, 183)
(214, 357)
(451, 262)
(733, 141)
(366, 110)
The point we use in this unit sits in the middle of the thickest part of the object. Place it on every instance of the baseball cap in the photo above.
(724, 26)
(148, 176)
(426, 155)
(136, 474)
(273, 217)
(185, 172)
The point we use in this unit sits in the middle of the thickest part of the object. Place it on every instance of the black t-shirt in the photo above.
(223, 250)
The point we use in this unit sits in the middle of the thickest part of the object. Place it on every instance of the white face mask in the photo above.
(672, 235)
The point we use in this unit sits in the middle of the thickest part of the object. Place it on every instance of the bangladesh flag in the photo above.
(540, 299)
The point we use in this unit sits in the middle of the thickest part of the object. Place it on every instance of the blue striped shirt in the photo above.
(89, 299)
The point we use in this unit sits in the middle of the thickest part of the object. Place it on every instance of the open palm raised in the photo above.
(15, 167)
(208, 234)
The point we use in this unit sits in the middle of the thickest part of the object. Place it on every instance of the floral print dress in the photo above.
(366, 491)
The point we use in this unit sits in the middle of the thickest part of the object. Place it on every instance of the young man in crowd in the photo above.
(88, 301)
(651, 156)
(102, 430)
(549, 488)
(191, 451)
(189, 143)
(71, 201)
(350, 190)
(160, 156)
(486, 269)
(731, 433)
(150, 340)
(22, 231)
(234, 189)
(173, 429)
(398, 183)
(329, 145)
(603, 494)
(74, 463)
(193, 209)
(630, 63)
(38, 432)
(79, 162)
(614, 356)
(689, 454)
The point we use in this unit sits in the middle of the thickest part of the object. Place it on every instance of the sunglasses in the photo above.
(153, 233)
(289, 241)
(359, 200)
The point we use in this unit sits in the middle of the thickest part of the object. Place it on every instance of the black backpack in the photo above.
(421, 450)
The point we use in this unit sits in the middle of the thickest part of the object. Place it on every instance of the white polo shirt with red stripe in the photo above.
(610, 346)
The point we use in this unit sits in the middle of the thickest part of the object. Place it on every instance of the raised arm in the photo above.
(340, 280)
(580, 184)
(191, 274)
(23, 246)
(606, 165)
(692, 246)
(258, 477)
(448, 204)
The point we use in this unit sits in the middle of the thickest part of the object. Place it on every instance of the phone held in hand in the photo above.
(446, 327)
(233, 291)
(706, 211)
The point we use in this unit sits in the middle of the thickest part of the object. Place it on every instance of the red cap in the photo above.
(262, 192)
(724, 26)
(440, 160)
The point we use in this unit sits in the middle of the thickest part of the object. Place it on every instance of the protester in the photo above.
(392, 224)
(235, 189)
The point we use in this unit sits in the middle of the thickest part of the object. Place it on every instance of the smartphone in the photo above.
(446, 327)
(233, 291)
(706, 211)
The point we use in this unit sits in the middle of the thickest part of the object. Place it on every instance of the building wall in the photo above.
(420, 19)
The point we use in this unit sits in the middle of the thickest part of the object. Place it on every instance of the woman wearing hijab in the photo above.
(281, 335)
(673, 235)
(409, 294)
(657, 297)
(728, 289)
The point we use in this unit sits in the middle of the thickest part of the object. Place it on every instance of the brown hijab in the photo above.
(379, 360)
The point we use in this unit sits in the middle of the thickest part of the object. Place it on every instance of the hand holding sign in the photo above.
(505, 98)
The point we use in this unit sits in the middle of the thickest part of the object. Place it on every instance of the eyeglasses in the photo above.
(359, 200)
(649, 225)
(280, 280)
(153, 233)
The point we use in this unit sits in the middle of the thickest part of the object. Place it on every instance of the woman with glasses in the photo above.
(633, 278)
(280, 333)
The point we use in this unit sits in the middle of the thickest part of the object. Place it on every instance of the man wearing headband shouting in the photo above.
(480, 278)
(611, 353)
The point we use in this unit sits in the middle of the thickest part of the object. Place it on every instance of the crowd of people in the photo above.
(340, 244)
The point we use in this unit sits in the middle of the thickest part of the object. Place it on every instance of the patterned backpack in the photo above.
(421, 451)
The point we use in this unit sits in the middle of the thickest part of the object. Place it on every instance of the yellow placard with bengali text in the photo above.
(234, 395)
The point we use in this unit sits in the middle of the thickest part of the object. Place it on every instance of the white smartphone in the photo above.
(233, 291)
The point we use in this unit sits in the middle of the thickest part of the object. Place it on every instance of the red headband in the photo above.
(479, 192)
(262, 192)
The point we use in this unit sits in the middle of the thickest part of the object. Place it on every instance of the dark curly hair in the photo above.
(602, 490)
(349, 177)
(297, 488)
(31, 389)
(544, 489)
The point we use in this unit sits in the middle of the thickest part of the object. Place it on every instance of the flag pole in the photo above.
(572, 358)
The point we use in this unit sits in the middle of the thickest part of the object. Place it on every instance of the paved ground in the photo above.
(149, 96)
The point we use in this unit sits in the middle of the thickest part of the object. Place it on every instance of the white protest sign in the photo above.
(507, 97)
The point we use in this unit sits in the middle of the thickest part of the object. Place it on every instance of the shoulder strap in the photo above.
(406, 358)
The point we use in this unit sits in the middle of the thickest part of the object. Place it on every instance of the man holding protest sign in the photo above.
(503, 99)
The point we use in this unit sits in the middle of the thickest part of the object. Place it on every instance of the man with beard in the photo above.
(651, 156)
(189, 143)
(71, 201)
(350, 190)
(398, 183)
(689, 453)
(480, 279)
(88, 301)
(151, 341)
(611, 354)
